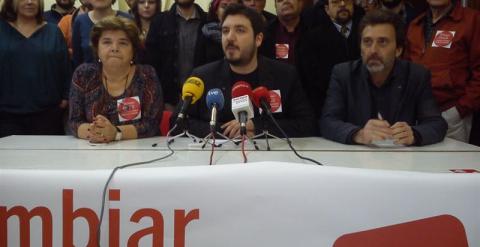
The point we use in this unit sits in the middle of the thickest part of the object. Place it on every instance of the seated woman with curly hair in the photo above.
(115, 99)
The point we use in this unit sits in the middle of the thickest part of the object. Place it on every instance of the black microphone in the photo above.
(261, 99)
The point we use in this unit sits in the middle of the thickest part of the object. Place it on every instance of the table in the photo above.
(19, 152)
(53, 184)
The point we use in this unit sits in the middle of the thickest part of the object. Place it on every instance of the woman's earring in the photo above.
(131, 62)
(99, 61)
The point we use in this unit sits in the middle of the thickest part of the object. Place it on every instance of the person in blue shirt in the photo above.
(82, 52)
(34, 71)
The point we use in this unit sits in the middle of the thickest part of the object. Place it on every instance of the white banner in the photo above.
(255, 204)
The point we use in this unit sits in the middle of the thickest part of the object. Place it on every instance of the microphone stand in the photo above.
(213, 131)
(243, 132)
(185, 133)
(207, 139)
(265, 133)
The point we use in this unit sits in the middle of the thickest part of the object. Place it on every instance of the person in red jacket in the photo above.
(446, 39)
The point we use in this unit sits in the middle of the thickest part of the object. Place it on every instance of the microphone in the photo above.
(192, 90)
(261, 99)
(215, 102)
(242, 107)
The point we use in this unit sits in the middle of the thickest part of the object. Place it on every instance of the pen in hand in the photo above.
(379, 115)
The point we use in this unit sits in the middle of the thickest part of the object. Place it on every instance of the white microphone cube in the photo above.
(242, 103)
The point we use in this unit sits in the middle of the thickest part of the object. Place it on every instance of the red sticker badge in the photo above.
(275, 101)
(129, 109)
(443, 39)
(281, 51)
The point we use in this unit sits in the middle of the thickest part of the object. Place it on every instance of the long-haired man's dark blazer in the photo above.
(296, 119)
(348, 106)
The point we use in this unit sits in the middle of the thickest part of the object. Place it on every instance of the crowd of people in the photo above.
(355, 72)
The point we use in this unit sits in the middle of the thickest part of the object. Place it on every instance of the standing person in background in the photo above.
(173, 48)
(34, 71)
(82, 52)
(283, 35)
(316, 15)
(212, 33)
(115, 99)
(143, 12)
(259, 6)
(333, 41)
(446, 40)
(58, 10)
(66, 23)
